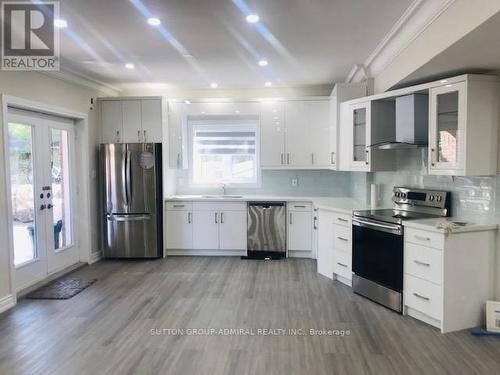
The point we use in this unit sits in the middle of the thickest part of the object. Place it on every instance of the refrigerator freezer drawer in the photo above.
(131, 236)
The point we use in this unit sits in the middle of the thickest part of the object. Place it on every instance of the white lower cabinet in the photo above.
(325, 243)
(233, 230)
(448, 277)
(300, 227)
(206, 227)
(179, 229)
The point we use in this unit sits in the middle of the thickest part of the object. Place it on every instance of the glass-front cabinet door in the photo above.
(360, 120)
(447, 123)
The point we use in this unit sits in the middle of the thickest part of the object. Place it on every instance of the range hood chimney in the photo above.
(412, 123)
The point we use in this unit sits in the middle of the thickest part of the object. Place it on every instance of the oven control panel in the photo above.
(421, 197)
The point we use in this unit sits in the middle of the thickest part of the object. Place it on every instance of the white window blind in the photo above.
(224, 151)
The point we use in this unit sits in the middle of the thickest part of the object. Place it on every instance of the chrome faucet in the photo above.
(224, 189)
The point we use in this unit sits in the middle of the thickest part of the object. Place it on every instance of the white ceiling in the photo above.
(477, 52)
(307, 42)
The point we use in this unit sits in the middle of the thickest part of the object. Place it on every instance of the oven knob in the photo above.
(398, 194)
(403, 195)
(439, 198)
(431, 198)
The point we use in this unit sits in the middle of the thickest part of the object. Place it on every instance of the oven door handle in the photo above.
(395, 229)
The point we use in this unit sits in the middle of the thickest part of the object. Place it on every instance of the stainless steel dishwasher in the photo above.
(266, 236)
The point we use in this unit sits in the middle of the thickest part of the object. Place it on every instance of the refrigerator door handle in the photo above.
(128, 177)
(124, 175)
(130, 217)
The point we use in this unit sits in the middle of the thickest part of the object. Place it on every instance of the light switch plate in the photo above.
(295, 182)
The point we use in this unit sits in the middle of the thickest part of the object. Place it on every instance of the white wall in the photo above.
(45, 89)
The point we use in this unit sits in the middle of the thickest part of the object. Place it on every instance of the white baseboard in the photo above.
(344, 280)
(215, 252)
(95, 257)
(7, 302)
(300, 254)
(423, 317)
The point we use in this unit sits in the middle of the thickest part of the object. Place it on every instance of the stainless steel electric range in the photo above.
(377, 254)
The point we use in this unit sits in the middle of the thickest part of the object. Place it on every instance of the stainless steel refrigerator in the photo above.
(131, 181)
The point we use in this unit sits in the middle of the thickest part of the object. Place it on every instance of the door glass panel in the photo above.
(359, 150)
(61, 197)
(447, 127)
(22, 192)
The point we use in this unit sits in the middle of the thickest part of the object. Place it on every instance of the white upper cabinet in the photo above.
(131, 120)
(463, 127)
(151, 115)
(111, 121)
(132, 130)
(298, 134)
(272, 134)
(321, 137)
(363, 126)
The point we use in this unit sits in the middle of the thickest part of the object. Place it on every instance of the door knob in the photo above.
(42, 207)
(49, 206)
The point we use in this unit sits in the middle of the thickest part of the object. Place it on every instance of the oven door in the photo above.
(378, 252)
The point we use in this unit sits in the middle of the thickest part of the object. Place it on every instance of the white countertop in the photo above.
(345, 205)
(430, 225)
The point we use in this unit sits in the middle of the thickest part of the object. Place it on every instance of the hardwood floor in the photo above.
(106, 329)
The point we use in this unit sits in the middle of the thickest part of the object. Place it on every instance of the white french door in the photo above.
(40, 166)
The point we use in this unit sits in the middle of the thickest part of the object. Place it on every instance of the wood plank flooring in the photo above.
(106, 329)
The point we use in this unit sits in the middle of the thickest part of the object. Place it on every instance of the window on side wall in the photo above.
(224, 150)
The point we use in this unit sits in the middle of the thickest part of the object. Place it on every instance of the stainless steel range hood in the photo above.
(412, 123)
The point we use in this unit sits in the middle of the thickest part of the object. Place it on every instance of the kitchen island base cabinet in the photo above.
(448, 277)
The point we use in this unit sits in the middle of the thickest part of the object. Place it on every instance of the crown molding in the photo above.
(83, 80)
(419, 15)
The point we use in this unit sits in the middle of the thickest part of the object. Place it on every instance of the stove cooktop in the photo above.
(392, 215)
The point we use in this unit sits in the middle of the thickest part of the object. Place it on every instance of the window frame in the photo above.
(230, 121)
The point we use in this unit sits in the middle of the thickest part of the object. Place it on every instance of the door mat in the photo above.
(61, 289)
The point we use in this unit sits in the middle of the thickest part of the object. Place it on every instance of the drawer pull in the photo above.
(421, 297)
(178, 205)
(421, 238)
(315, 222)
(343, 239)
(342, 264)
(189, 217)
(295, 206)
(421, 263)
(342, 220)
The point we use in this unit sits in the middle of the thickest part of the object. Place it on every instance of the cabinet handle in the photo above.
(144, 137)
(189, 218)
(312, 158)
(343, 239)
(117, 136)
(331, 157)
(139, 135)
(421, 263)
(222, 217)
(342, 264)
(288, 158)
(297, 206)
(291, 218)
(178, 205)
(216, 218)
(421, 297)
(343, 220)
(420, 238)
(281, 155)
(315, 222)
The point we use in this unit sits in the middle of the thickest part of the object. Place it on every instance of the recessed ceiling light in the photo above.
(252, 18)
(214, 85)
(129, 66)
(268, 84)
(443, 81)
(60, 23)
(187, 102)
(263, 62)
(153, 21)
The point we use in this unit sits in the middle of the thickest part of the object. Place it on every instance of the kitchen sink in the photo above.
(222, 196)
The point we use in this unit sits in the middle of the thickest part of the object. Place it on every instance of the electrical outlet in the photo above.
(295, 182)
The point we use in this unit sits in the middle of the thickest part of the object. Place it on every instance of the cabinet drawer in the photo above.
(342, 219)
(342, 239)
(422, 237)
(179, 206)
(342, 264)
(424, 262)
(423, 296)
(219, 206)
(299, 206)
